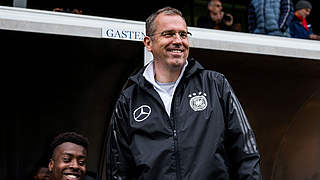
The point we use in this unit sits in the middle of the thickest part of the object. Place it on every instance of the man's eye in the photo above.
(66, 160)
(168, 34)
(183, 34)
(82, 163)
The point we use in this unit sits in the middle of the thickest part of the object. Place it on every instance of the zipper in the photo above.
(174, 129)
(172, 123)
(176, 153)
(175, 136)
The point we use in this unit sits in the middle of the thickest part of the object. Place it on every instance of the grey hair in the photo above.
(150, 25)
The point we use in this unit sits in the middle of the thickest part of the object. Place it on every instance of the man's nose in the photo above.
(74, 164)
(177, 38)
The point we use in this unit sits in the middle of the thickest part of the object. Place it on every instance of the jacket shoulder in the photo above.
(213, 75)
(217, 78)
(128, 89)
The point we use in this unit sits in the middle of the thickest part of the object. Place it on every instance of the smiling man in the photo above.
(174, 120)
(69, 157)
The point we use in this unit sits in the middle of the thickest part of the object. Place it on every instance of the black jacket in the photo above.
(206, 137)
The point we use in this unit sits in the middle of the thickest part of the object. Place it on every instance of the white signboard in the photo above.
(124, 33)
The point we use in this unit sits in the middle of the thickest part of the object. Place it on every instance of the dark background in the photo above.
(53, 83)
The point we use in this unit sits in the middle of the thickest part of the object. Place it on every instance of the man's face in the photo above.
(169, 43)
(215, 7)
(304, 12)
(68, 162)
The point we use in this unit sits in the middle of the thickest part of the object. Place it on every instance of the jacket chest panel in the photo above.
(190, 105)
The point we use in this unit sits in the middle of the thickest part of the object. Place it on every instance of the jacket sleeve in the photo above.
(251, 18)
(240, 141)
(286, 14)
(118, 153)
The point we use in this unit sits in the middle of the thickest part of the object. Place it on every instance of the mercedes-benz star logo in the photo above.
(142, 113)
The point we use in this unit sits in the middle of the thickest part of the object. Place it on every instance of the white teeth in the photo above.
(176, 51)
(72, 176)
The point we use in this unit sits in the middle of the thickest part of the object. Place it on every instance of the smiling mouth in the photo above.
(72, 176)
(176, 50)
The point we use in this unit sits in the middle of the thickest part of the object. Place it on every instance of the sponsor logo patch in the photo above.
(141, 113)
(198, 101)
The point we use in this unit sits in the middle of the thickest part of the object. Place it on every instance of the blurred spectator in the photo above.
(299, 28)
(270, 17)
(217, 19)
(41, 173)
(68, 10)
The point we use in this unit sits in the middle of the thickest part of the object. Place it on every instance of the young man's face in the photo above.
(68, 162)
(169, 44)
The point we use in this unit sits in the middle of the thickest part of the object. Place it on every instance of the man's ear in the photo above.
(51, 164)
(147, 42)
(210, 6)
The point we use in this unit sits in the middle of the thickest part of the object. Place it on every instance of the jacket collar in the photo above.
(192, 68)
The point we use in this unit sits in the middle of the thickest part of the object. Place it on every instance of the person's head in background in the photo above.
(69, 153)
(215, 7)
(303, 8)
(40, 172)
